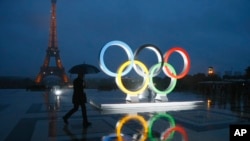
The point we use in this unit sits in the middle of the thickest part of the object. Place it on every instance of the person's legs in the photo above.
(72, 111)
(84, 115)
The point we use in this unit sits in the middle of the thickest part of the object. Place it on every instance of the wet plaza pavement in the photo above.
(37, 116)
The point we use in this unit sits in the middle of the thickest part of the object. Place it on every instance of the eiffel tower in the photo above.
(52, 51)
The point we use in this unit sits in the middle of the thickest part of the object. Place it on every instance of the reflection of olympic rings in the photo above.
(147, 127)
(154, 118)
(127, 118)
(172, 130)
(147, 74)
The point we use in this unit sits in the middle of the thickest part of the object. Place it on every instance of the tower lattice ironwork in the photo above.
(52, 51)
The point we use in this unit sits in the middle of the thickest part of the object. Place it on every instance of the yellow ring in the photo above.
(119, 78)
(127, 118)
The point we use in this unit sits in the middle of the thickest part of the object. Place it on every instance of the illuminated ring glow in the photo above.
(186, 60)
(119, 78)
(166, 135)
(172, 82)
(154, 118)
(123, 46)
(127, 118)
(158, 53)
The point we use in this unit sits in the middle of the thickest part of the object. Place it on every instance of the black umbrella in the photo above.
(84, 68)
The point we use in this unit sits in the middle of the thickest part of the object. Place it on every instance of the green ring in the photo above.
(154, 118)
(171, 85)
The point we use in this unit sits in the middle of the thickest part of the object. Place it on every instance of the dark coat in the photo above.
(79, 95)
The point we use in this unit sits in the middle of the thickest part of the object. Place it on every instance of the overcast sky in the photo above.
(214, 32)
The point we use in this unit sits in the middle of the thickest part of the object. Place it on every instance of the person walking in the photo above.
(78, 99)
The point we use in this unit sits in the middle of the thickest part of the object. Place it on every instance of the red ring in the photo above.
(186, 60)
(176, 128)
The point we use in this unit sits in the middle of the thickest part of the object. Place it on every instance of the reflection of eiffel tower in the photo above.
(52, 51)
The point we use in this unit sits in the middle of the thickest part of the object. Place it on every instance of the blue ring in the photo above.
(127, 50)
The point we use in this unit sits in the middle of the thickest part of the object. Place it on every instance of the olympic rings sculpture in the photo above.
(148, 125)
(141, 69)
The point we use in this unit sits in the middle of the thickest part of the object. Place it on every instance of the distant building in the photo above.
(210, 71)
(237, 73)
